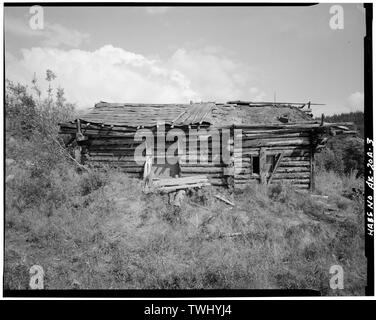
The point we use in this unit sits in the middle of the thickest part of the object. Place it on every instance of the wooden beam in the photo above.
(280, 156)
(224, 200)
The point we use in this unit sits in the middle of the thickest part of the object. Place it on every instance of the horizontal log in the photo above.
(248, 136)
(111, 158)
(115, 163)
(217, 181)
(297, 125)
(244, 184)
(275, 142)
(110, 148)
(246, 159)
(244, 165)
(111, 154)
(294, 163)
(201, 169)
(275, 131)
(293, 169)
(94, 126)
(246, 153)
(246, 177)
(125, 166)
(181, 187)
(97, 133)
(306, 158)
(291, 181)
(114, 141)
(209, 164)
(125, 154)
(202, 158)
(293, 185)
(243, 170)
(287, 151)
(291, 174)
(208, 174)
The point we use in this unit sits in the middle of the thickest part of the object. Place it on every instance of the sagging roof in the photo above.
(149, 115)
(240, 114)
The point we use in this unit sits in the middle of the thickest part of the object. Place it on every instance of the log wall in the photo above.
(116, 147)
(294, 168)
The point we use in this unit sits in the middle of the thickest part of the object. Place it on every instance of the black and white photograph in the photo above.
(187, 150)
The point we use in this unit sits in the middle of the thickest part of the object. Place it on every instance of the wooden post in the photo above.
(147, 166)
(77, 153)
(280, 156)
(78, 125)
(262, 165)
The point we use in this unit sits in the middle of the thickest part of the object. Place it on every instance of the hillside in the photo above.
(96, 229)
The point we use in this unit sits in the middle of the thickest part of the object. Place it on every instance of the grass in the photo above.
(97, 230)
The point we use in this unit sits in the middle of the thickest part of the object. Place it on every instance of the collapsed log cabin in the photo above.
(228, 144)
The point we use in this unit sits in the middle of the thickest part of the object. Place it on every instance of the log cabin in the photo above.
(223, 144)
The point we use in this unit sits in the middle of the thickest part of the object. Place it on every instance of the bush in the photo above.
(328, 160)
(342, 155)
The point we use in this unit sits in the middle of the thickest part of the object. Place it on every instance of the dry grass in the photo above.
(98, 230)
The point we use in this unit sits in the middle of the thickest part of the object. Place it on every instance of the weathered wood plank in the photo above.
(294, 163)
(287, 151)
(180, 181)
(173, 188)
(292, 177)
(276, 131)
(293, 169)
(248, 136)
(209, 164)
(276, 142)
(208, 174)
(201, 169)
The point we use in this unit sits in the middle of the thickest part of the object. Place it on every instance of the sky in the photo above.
(181, 54)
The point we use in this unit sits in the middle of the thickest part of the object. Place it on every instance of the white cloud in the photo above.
(157, 10)
(53, 34)
(355, 101)
(214, 76)
(116, 75)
